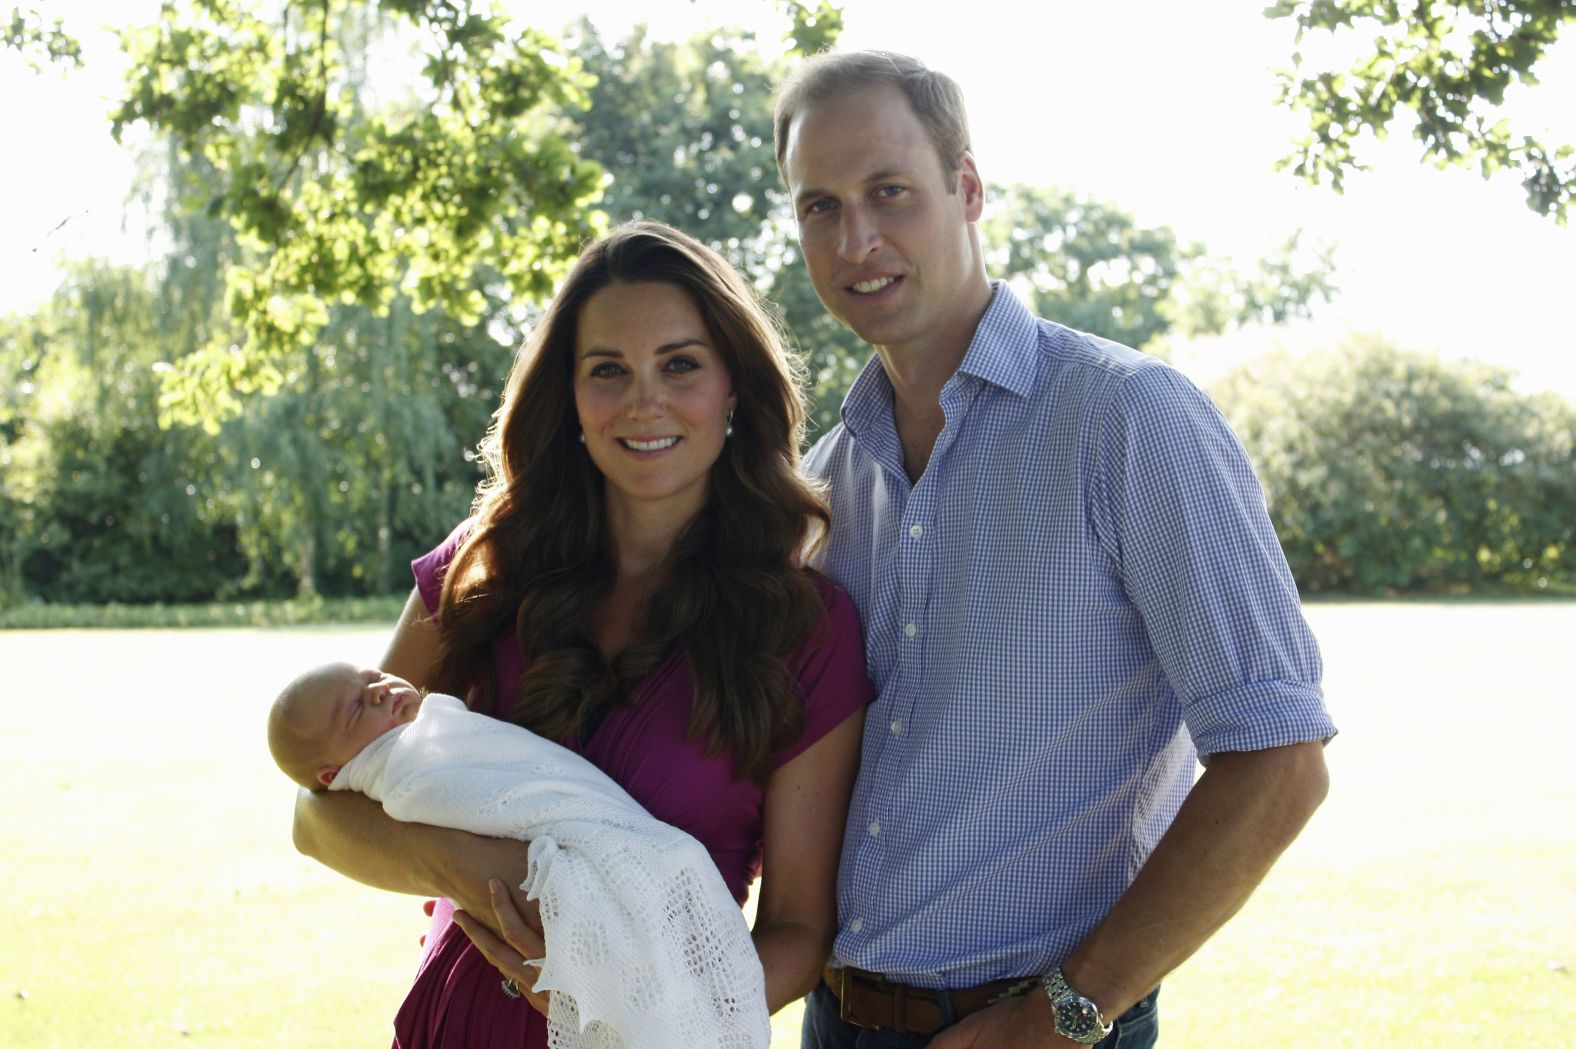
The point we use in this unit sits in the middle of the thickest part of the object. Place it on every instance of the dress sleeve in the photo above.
(1183, 516)
(830, 669)
(431, 567)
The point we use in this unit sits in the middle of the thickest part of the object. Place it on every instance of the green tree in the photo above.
(1084, 263)
(1447, 62)
(684, 131)
(357, 461)
(101, 504)
(40, 42)
(1211, 296)
(815, 28)
(1089, 265)
(363, 460)
(105, 505)
(20, 355)
(1387, 470)
(467, 185)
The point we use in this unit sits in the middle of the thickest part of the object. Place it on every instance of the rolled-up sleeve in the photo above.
(1186, 522)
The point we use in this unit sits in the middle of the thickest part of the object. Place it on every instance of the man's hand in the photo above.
(1023, 1022)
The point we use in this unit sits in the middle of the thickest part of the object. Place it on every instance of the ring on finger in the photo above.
(511, 988)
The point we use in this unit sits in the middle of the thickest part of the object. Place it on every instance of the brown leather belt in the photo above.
(872, 1001)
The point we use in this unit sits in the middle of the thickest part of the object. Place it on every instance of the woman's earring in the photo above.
(728, 432)
(582, 437)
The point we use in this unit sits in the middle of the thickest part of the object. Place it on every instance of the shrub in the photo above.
(1387, 470)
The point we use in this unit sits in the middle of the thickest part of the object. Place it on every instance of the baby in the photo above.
(646, 945)
(329, 714)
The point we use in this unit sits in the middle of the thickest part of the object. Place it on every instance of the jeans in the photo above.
(1138, 1028)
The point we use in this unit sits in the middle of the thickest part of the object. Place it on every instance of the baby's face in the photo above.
(359, 705)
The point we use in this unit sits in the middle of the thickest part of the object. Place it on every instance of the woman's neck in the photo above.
(642, 535)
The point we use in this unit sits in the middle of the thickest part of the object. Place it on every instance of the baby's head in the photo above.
(326, 716)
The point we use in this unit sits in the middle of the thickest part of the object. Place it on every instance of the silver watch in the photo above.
(1077, 1017)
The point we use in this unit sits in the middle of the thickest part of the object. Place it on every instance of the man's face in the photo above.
(886, 241)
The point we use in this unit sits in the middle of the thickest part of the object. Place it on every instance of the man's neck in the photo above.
(919, 369)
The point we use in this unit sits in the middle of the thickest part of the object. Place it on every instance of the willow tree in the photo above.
(456, 185)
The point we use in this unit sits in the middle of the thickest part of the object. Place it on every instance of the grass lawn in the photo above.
(154, 898)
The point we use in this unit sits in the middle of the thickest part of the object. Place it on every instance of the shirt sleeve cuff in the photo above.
(1258, 715)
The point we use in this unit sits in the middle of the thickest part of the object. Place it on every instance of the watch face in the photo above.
(1077, 1018)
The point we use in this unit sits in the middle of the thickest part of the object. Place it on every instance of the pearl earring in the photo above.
(582, 437)
(728, 431)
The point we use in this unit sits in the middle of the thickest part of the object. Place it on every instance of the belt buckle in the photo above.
(847, 1009)
(860, 998)
(875, 1003)
(839, 986)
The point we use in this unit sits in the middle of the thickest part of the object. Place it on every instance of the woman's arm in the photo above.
(352, 834)
(796, 912)
(413, 650)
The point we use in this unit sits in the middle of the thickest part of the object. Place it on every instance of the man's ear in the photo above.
(972, 187)
(326, 774)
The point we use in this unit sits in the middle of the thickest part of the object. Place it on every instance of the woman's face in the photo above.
(653, 395)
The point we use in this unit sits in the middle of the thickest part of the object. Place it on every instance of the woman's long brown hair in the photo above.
(732, 597)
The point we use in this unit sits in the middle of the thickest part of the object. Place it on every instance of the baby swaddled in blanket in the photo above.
(646, 946)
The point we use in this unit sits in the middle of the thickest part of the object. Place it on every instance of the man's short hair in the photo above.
(935, 97)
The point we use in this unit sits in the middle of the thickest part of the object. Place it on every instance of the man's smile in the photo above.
(873, 284)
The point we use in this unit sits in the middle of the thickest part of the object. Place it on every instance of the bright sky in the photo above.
(1164, 109)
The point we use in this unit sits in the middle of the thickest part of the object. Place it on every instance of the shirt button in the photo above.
(897, 728)
(915, 531)
(910, 630)
(856, 925)
(875, 828)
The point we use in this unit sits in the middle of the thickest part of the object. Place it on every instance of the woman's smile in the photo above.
(648, 444)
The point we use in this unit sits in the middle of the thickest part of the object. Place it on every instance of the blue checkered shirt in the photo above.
(1081, 593)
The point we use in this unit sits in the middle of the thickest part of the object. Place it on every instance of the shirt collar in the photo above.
(994, 355)
(869, 398)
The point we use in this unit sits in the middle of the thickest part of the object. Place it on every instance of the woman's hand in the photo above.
(511, 954)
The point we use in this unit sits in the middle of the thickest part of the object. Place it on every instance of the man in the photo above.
(1070, 587)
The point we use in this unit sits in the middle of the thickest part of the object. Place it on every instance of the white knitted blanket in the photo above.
(645, 945)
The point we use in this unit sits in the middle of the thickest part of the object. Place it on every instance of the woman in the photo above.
(629, 585)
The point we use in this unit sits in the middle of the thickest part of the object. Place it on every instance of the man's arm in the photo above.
(1241, 815)
(1203, 566)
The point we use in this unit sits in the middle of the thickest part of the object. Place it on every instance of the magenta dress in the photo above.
(456, 1001)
